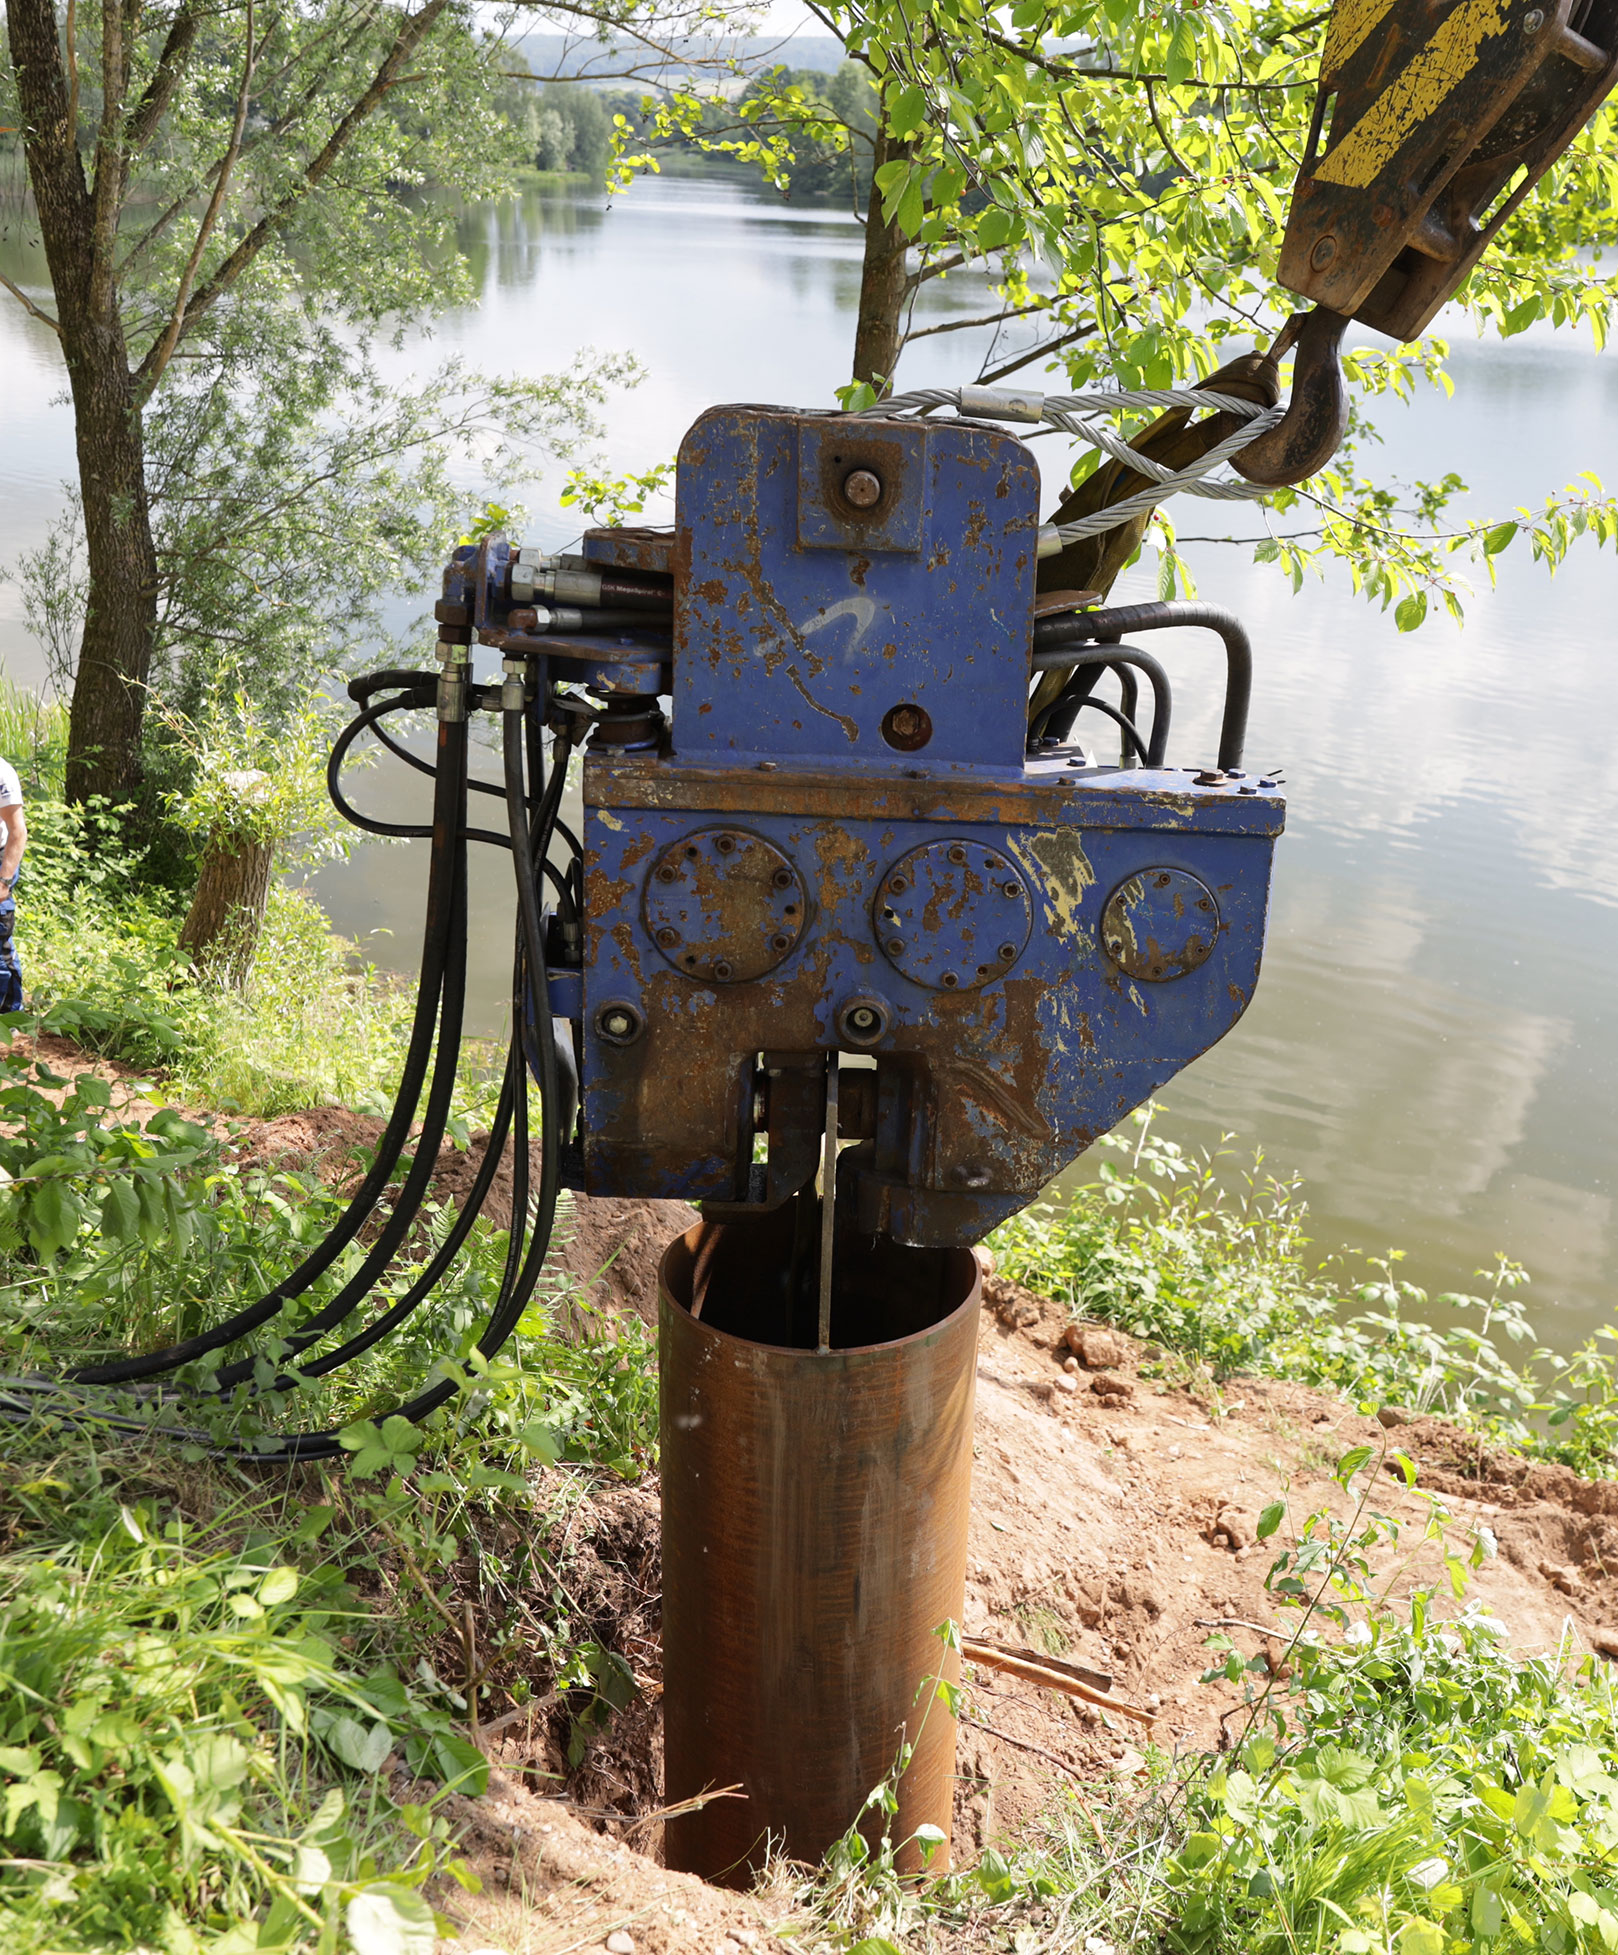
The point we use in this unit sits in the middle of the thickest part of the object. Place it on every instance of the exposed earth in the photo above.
(1113, 1520)
(1113, 1523)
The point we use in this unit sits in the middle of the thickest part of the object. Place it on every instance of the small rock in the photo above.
(1066, 1382)
(619, 1943)
(1095, 1348)
(1070, 1363)
(728, 1947)
(1389, 1416)
(987, 1265)
(1106, 1386)
(1236, 1527)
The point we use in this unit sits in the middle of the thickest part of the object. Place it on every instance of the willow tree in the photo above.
(223, 192)
(1121, 174)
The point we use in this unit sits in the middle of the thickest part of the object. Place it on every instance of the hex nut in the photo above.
(668, 938)
(618, 1023)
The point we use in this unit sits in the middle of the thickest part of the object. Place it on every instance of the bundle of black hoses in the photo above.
(302, 1353)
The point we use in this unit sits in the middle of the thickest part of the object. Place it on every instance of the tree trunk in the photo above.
(221, 928)
(120, 623)
(882, 282)
(78, 225)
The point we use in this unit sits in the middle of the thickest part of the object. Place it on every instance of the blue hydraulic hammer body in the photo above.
(840, 838)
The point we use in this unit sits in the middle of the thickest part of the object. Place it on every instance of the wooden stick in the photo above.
(1017, 1666)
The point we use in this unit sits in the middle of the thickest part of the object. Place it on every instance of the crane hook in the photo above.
(1307, 435)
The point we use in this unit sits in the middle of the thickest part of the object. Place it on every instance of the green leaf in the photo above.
(279, 1585)
(120, 1211)
(389, 1920)
(1421, 1937)
(1411, 612)
(1270, 1519)
(355, 1744)
(52, 1218)
(1182, 54)
(1488, 1913)
(1350, 1464)
(907, 111)
(1497, 538)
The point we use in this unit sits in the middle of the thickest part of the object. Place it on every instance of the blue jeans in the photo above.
(10, 965)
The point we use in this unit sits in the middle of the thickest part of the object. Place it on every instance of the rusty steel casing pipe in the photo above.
(814, 1540)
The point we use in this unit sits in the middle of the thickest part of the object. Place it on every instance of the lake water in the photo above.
(1433, 1042)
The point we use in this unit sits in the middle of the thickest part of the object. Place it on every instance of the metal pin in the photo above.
(828, 1202)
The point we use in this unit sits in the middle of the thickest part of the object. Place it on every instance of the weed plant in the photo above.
(1215, 1269)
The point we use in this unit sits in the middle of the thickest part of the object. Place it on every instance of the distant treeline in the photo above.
(567, 126)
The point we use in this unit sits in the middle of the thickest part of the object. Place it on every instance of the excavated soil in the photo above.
(1113, 1523)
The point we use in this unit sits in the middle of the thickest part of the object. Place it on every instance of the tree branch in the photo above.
(162, 351)
(988, 319)
(28, 305)
(412, 33)
(149, 111)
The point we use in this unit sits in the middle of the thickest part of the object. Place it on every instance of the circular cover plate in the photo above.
(723, 905)
(1160, 924)
(952, 915)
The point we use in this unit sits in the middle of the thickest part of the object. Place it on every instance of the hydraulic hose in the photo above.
(444, 877)
(1052, 635)
(1058, 717)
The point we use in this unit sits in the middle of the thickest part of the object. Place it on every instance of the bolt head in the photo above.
(957, 854)
(863, 488)
(725, 844)
(1533, 22)
(667, 873)
(617, 1023)
(668, 938)
(780, 943)
(1011, 889)
(782, 879)
(863, 1019)
(897, 885)
(721, 969)
(1324, 252)
(1007, 953)
(896, 946)
(949, 980)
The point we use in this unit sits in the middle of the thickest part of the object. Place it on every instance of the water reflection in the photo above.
(1432, 1042)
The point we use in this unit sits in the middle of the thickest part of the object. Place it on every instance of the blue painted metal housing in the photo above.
(841, 843)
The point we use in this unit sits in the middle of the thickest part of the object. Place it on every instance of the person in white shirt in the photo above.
(13, 840)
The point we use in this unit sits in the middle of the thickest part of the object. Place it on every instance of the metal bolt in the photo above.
(783, 879)
(618, 1024)
(863, 1019)
(905, 721)
(957, 853)
(1007, 952)
(725, 844)
(668, 873)
(1533, 22)
(1209, 777)
(721, 969)
(780, 943)
(863, 488)
(668, 938)
(896, 946)
(1324, 252)
(1012, 889)
(897, 885)
(949, 980)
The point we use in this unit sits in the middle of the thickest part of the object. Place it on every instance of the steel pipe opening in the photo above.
(814, 1537)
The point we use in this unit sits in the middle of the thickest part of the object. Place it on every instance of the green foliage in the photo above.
(1139, 159)
(175, 1746)
(1214, 1266)
(250, 782)
(1412, 1788)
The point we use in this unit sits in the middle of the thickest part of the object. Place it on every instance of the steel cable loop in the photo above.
(1067, 412)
